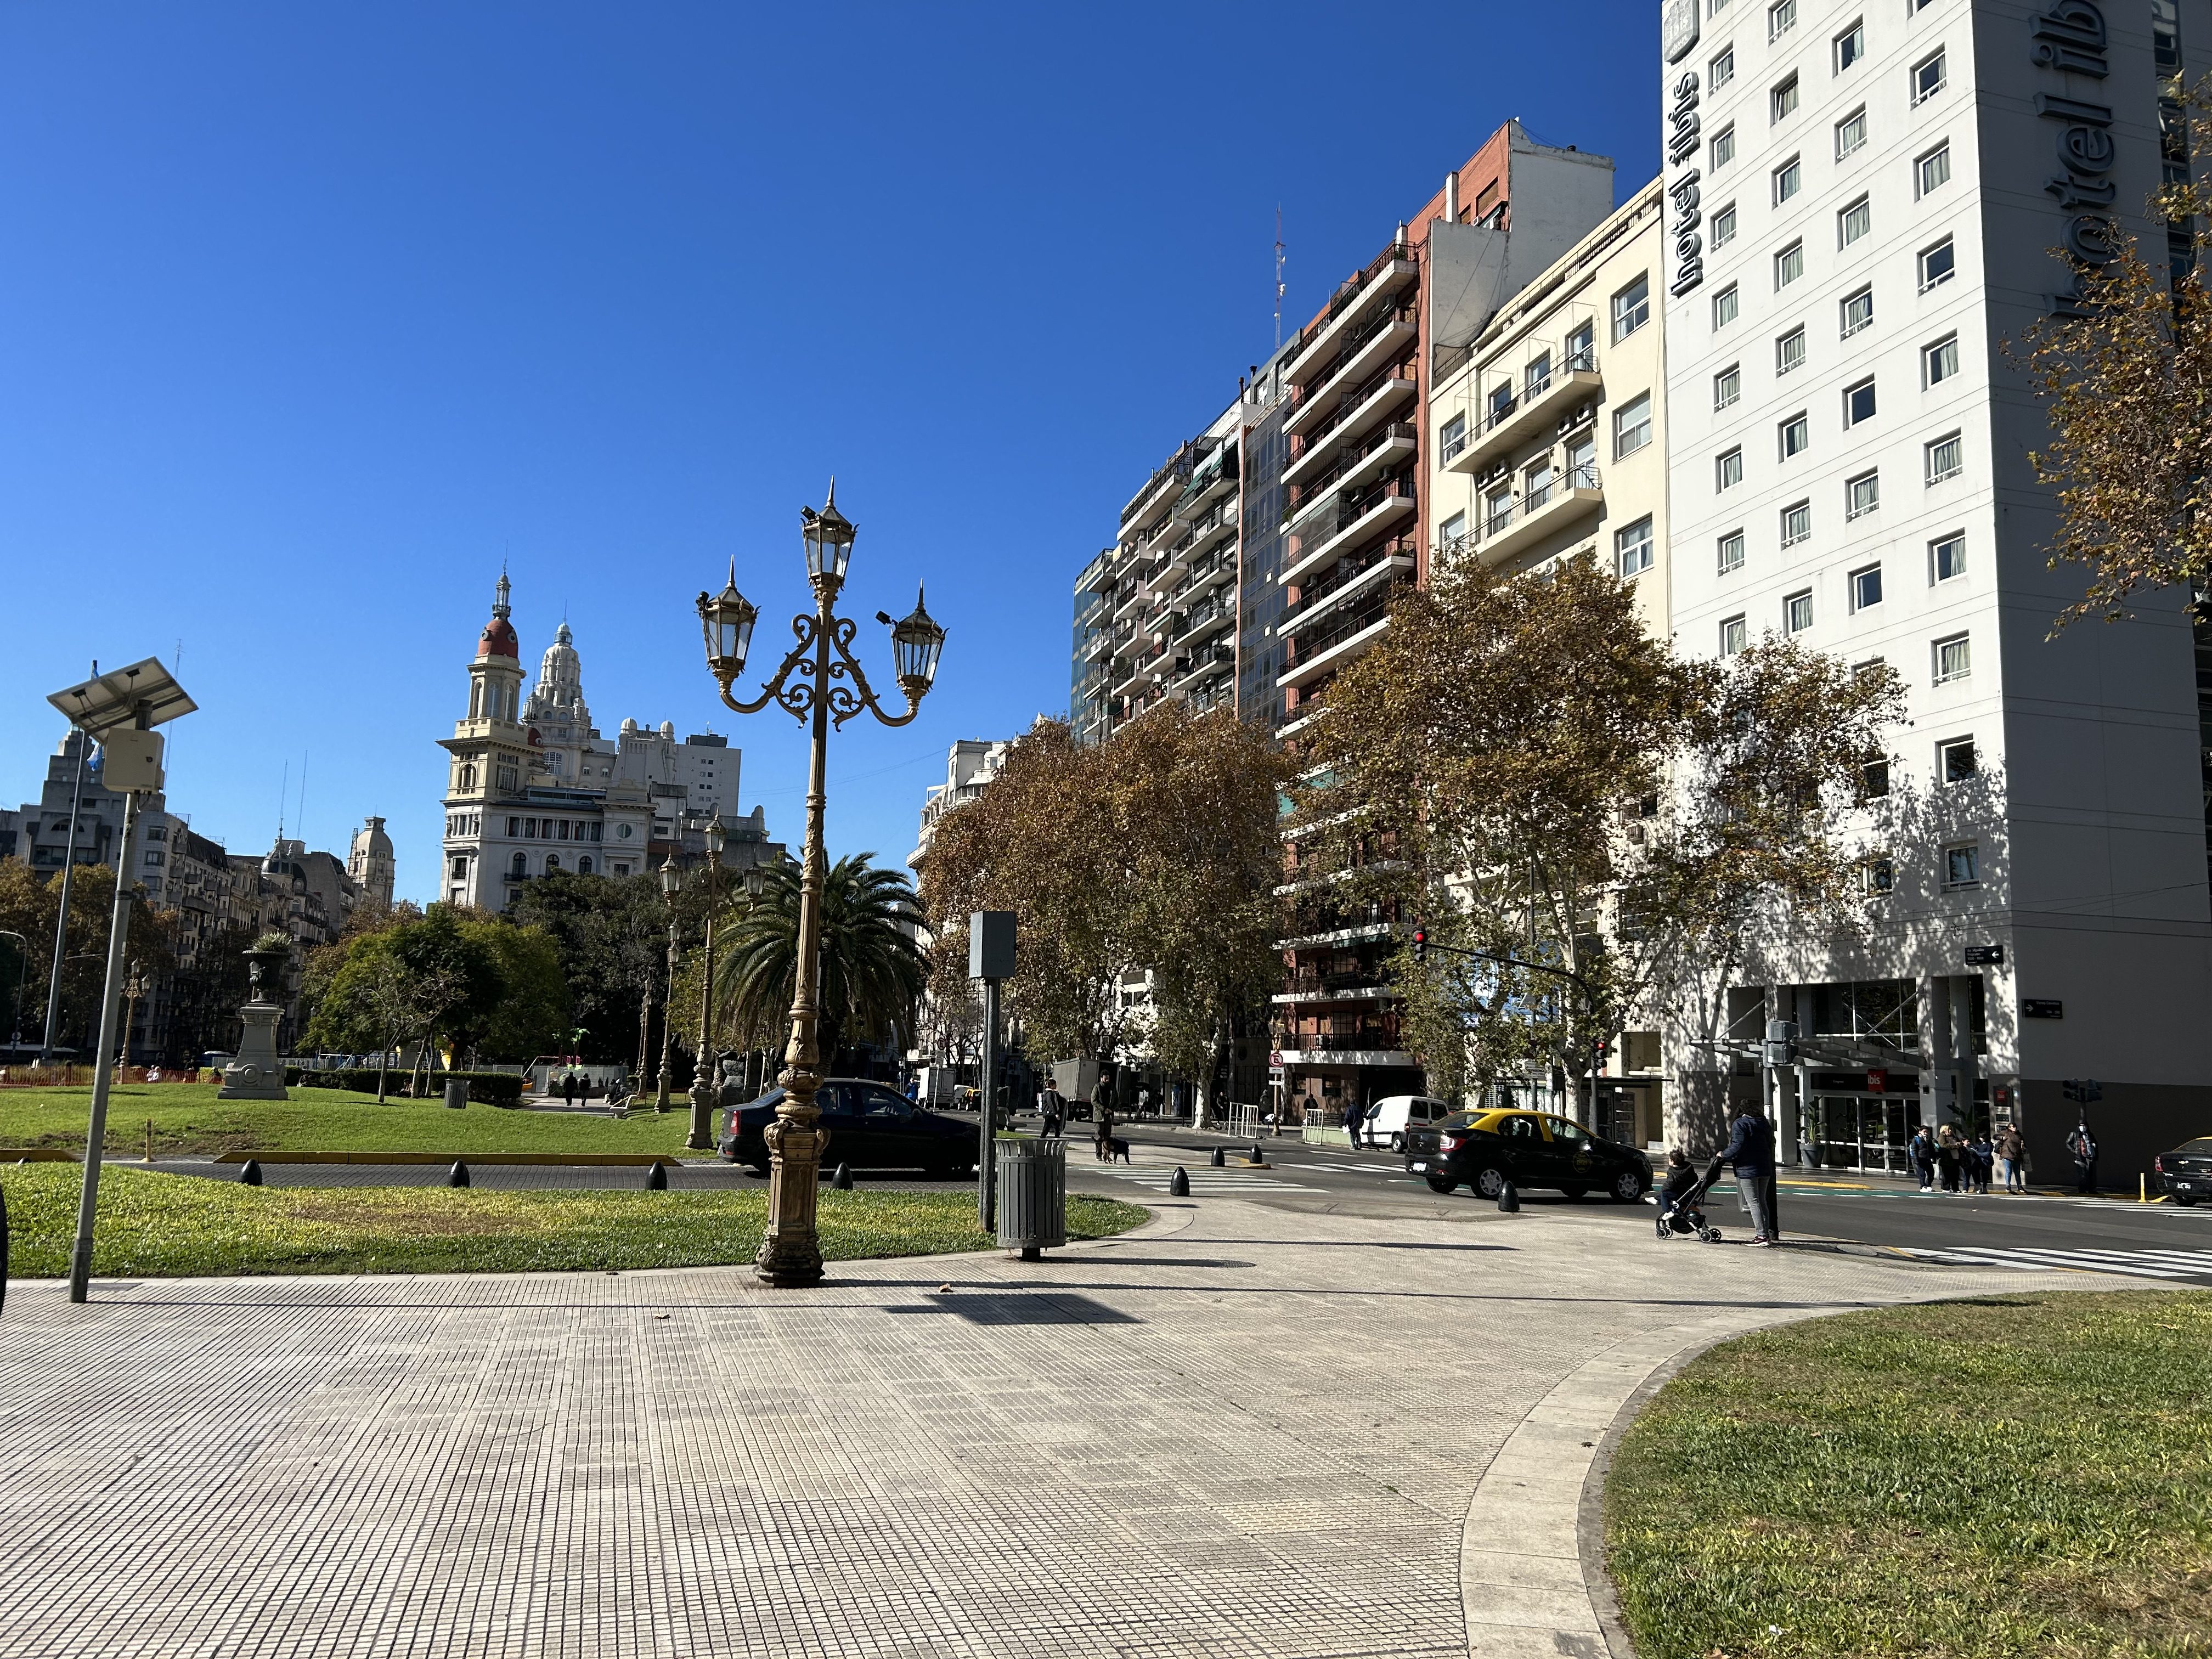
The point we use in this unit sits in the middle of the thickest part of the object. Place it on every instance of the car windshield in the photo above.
(2200, 1147)
(773, 1097)
(1458, 1120)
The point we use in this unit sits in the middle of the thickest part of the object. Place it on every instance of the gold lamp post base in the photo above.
(791, 1252)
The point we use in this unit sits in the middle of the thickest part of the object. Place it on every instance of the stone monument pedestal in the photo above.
(258, 1073)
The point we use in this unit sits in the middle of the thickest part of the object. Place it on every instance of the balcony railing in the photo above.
(1356, 620)
(1353, 506)
(1496, 518)
(1343, 1042)
(1341, 575)
(1358, 395)
(1394, 317)
(1311, 490)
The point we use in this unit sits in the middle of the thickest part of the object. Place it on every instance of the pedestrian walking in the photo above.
(2081, 1147)
(1053, 1105)
(1750, 1152)
(1102, 1097)
(2012, 1159)
(1981, 1154)
(1355, 1114)
(1102, 1131)
(1921, 1149)
(568, 1087)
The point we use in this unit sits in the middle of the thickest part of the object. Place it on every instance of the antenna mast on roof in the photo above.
(1279, 276)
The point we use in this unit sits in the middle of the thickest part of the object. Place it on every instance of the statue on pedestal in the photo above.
(258, 1073)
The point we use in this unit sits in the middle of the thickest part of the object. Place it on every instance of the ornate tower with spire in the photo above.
(489, 751)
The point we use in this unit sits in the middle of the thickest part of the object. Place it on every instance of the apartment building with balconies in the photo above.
(1864, 201)
(1359, 524)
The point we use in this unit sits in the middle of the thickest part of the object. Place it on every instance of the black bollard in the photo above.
(843, 1181)
(1179, 1184)
(459, 1175)
(1258, 1157)
(251, 1175)
(1218, 1161)
(656, 1179)
(1508, 1199)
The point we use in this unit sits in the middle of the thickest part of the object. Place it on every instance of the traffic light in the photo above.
(1781, 1044)
(1420, 944)
(1599, 1049)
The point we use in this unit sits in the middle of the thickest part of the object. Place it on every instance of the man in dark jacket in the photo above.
(1053, 1105)
(1750, 1152)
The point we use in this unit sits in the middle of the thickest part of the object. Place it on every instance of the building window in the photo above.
(1853, 222)
(552, 863)
(521, 864)
(155, 860)
(1797, 523)
(1790, 352)
(1873, 780)
(1850, 46)
(583, 865)
(1932, 171)
(1955, 761)
(460, 869)
(1858, 402)
(1936, 265)
(1878, 873)
(1862, 495)
(1789, 178)
(1582, 350)
(1497, 510)
(1953, 661)
(1723, 147)
(1631, 426)
(1725, 305)
(1724, 225)
(1927, 78)
(1857, 311)
(1631, 309)
(1727, 387)
(1722, 70)
(1866, 587)
(1795, 435)
(1938, 361)
(1536, 379)
(622, 869)
(1946, 557)
(1947, 458)
(1451, 437)
(1851, 134)
(1781, 18)
(1731, 549)
(1632, 549)
(1962, 866)
(1783, 100)
(1789, 264)
(513, 828)
(1732, 637)
(1797, 612)
(1451, 533)
(1728, 469)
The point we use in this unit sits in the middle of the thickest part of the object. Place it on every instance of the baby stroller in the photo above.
(1681, 1214)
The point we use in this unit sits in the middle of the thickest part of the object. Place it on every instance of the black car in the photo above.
(871, 1125)
(1486, 1149)
(2185, 1172)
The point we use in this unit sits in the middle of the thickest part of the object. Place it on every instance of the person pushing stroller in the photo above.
(1679, 1197)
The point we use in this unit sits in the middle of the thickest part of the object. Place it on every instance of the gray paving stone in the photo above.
(1249, 1435)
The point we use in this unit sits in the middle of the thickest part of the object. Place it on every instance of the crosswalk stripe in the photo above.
(2031, 1258)
(1210, 1180)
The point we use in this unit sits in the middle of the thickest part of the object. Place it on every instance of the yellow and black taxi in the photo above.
(1486, 1149)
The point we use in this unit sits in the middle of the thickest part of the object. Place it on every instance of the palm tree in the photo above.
(872, 973)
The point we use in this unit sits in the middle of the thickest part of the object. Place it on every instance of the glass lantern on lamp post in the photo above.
(819, 683)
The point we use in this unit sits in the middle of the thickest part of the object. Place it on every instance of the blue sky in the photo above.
(311, 315)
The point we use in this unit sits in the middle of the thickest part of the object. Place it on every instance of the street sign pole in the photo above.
(95, 1137)
(991, 959)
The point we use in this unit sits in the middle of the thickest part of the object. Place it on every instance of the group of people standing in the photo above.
(1945, 1156)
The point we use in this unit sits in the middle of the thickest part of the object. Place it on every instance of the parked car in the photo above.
(1486, 1149)
(1393, 1116)
(2186, 1173)
(871, 1126)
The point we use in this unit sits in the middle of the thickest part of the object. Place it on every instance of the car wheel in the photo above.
(1627, 1186)
(760, 1169)
(2184, 1200)
(1574, 1191)
(1443, 1184)
(1488, 1183)
(1397, 1143)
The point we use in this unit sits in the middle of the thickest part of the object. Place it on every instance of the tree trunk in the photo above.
(383, 1062)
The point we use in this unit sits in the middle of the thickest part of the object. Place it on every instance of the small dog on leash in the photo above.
(1115, 1148)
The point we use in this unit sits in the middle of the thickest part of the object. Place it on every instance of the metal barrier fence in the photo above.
(1240, 1120)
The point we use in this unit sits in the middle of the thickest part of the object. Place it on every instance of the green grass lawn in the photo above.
(154, 1225)
(2021, 1475)
(188, 1118)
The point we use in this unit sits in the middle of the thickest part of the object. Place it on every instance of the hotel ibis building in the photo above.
(1862, 205)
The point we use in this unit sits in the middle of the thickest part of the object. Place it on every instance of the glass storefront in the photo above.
(1864, 1132)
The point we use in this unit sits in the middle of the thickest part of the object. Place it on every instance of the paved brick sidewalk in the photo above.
(1242, 1432)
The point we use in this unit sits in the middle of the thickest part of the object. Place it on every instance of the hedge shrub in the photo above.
(485, 1088)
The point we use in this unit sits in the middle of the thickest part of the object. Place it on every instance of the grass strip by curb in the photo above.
(2002, 1476)
(162, 1226)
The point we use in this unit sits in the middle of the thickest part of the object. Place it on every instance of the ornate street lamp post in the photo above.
(830, 689)
(704, 1075)
(669, 881)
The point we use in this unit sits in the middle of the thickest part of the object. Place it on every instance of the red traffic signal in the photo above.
(1420, 944)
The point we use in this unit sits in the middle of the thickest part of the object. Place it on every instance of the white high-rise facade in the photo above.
(1861, 203)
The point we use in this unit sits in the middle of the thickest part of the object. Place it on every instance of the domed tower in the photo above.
(489, 750)
(371, 865)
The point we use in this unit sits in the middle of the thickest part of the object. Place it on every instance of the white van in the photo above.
(1392, 1116)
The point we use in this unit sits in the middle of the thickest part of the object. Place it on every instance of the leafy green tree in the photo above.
(612, 940)
(29, 905)
(531, 1012)
(871, 972)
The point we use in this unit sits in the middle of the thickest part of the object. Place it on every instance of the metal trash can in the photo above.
(1032, 1193)
(457, 1092)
